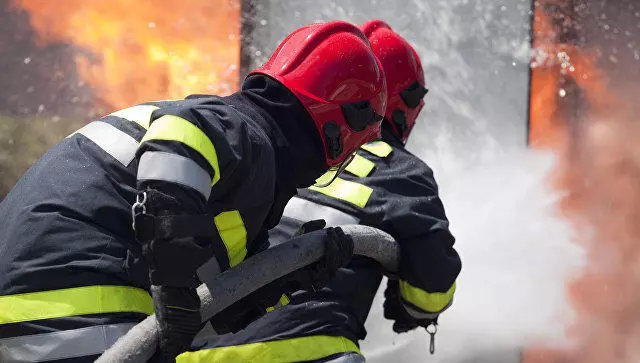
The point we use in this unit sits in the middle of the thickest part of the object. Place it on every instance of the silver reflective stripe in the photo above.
(304, 210)
(113, 141)
(209, 270)
(348, 358)
(424, 314)
(62, 344)
(156, 165)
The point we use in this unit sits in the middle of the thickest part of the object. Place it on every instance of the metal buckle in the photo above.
(138, 208)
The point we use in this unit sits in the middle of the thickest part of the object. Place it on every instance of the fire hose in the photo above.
(221, 291)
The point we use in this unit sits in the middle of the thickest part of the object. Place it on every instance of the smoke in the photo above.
(599, 173)
(517, 259)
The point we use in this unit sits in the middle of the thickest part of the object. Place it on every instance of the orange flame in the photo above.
(144, 50)
(599, 173)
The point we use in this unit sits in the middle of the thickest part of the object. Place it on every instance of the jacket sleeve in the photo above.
(192, 151)
(414, 215)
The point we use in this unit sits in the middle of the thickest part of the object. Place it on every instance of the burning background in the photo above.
(66, 62)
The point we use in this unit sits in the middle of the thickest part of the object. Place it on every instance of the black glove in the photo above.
(338, 253)
(339, 248)
(395, 310)
(310, 226)
(177, 310)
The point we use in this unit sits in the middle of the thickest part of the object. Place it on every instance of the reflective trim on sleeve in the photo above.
(234, 235)
(427, 301)
(304, 210)
(354, 193)
(277, 351)
(175, 128)
(157, 165)
(378, 148)
(114, 142)
(63, 344)
(284, 300)
(348, 358)
(140, 114)
(420, 314)
(73, 301)
(360, 166)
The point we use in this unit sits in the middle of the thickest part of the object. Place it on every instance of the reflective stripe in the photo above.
(178, 129)
(62, 344)
(233, 234)
(114, 142)
(421, 314)
(304, 210)
(428, 301)
(208, 270)
(348, 358)
(378, 148)
(140, 114)
(156, 165)
(360, 166)
(284, 301)
(74, 301)
(278, 351)
(348, 191)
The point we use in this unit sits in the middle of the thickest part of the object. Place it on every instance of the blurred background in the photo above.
(530, 125)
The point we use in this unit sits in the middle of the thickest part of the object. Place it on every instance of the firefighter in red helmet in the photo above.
(205, 179)
(384, 186)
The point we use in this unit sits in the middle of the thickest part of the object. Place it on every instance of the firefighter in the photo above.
(205, 178)
(386, 187)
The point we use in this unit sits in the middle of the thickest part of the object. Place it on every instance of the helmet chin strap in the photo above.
(334, 172)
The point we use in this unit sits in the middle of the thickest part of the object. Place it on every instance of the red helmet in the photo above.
(332, 70)
(405, 77)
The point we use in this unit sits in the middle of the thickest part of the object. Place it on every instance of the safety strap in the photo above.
(279, 351)
(74, 301)
(63, 344)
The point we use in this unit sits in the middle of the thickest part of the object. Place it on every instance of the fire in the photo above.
(136, 51)
(595, 138)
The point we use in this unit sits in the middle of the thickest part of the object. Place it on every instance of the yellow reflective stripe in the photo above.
(284, 300)
(431, 302)
(175, 128)
(278, 351)
(378, 148)
(73, 301)
(348, 191)
(234, 235)
(140, 114)
(360, 166)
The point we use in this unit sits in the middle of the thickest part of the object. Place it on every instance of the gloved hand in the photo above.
(177, 310)
(395, 310)
(310, 226)
(338, 253)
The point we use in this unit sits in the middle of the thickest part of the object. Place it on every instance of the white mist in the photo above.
(517, 257)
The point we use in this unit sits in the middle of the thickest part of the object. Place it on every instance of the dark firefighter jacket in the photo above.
(70, 267)
(385, 187)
